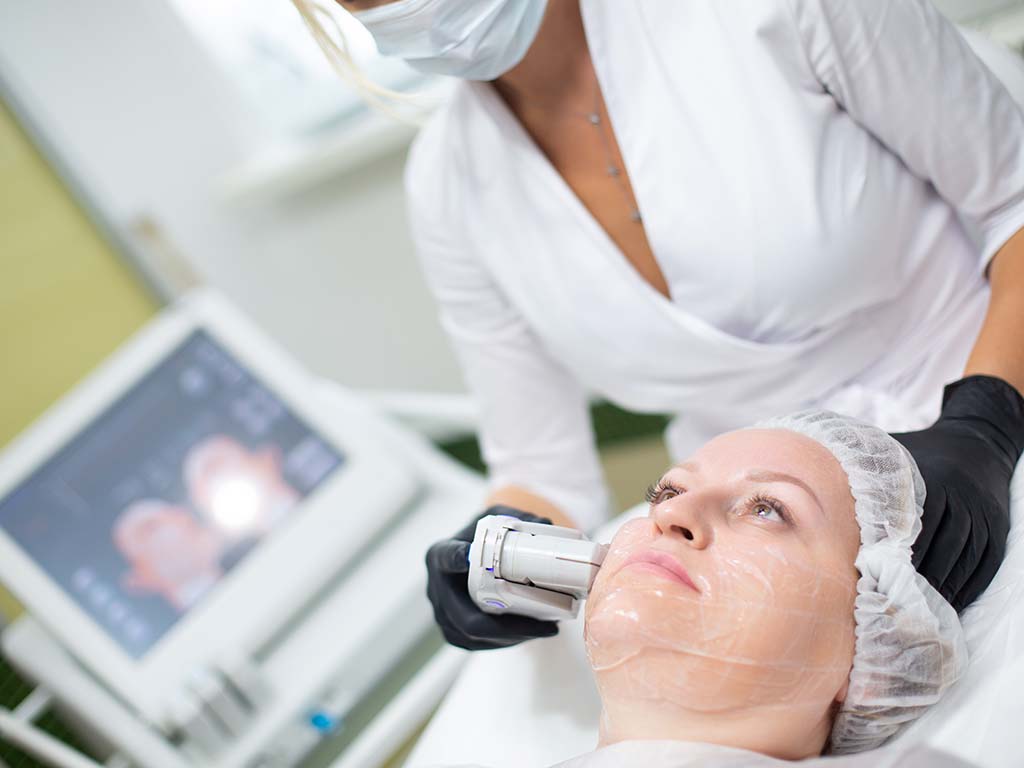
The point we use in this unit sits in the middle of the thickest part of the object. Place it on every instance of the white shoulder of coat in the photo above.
(438, 156)
(843, 33)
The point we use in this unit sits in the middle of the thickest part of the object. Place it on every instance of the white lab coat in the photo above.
(822, 183)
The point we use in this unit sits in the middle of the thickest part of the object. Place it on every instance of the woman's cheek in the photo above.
(631, 537)
(803, 608)
(606, 599)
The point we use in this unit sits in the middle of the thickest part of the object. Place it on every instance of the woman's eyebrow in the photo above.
(762, 476)
(769, 476)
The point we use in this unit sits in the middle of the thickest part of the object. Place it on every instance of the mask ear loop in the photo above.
(330, 38)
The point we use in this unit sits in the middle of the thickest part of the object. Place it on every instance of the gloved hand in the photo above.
(461, 620)
(967, 459)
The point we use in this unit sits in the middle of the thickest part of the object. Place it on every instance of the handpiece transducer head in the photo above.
(531, 569)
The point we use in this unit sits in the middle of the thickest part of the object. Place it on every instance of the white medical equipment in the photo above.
(531, 569)
(221, 557)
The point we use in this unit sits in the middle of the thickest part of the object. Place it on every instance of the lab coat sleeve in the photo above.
(904, 72)
(535, 428)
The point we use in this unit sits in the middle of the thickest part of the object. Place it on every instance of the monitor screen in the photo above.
(145, 510)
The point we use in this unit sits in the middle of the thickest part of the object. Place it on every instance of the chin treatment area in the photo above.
(512, 384)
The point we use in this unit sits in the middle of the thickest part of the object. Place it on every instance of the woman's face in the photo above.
(166, 543)
(737, 590)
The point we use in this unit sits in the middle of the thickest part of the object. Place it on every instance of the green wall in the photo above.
(66, 298)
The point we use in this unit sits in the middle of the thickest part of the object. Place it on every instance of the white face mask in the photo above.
(470, 39)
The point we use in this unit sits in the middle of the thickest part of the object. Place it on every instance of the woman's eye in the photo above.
(661, 491)
(768, 509)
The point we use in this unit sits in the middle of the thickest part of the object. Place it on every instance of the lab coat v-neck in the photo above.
(822, 184)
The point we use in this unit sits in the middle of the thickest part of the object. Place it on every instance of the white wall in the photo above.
(149, 125)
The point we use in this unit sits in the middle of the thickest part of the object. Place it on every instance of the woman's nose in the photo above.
(680, 517)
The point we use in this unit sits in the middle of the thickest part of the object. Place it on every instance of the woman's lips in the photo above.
(664, 564)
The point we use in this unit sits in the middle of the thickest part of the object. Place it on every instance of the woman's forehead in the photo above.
(768, 450)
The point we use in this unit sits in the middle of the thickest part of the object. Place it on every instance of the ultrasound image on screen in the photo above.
(146, 510)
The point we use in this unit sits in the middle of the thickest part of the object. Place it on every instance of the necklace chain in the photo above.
(612, 168)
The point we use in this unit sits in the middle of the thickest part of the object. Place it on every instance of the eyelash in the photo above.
(777, 506)
(656, 490)
(655, 495)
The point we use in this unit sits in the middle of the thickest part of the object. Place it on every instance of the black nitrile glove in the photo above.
(463, 623)
(967, 459)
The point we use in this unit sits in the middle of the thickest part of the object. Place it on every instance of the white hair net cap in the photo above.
(909, 645)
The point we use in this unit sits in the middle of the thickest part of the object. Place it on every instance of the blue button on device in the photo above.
(322, 722)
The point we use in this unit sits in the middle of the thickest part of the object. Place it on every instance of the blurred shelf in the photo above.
(290, 167)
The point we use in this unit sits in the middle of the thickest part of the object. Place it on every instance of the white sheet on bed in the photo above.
(680, 754)
(536, 704)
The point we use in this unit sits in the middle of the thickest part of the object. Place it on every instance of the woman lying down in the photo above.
(767, 606)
